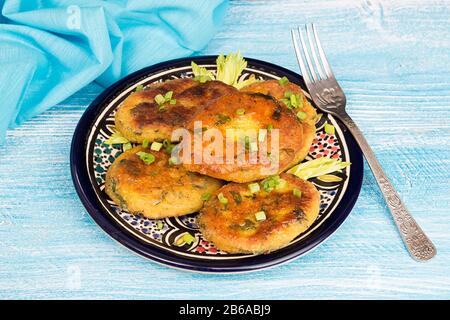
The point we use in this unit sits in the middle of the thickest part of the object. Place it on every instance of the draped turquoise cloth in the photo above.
(51, 49)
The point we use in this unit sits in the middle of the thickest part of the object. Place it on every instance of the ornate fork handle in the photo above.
(419, 246)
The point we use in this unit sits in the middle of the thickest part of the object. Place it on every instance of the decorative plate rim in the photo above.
(87, 194)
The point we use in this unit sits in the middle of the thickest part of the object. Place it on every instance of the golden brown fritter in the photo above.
(158, 189)
(239, 117)
(233, 227)
(140, 117)
(277, 90)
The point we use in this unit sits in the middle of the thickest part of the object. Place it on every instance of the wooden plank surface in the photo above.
(393, 61)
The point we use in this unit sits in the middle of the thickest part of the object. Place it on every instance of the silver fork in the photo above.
(329, 97)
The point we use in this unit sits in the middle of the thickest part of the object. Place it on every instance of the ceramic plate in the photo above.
(156, 239)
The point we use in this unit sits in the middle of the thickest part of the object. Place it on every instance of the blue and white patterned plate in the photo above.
(157, 239)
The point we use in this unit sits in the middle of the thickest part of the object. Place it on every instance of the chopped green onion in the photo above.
(159, 99)
(168, 146)
(273, 182)
(280, 184)
(222, 198)
(253, 146)
(301, 115)
(260, 216)
(156, 146)
(116, 138)
(206, 196)
(168, 95)
(127, 146)
(292, 100)
(145, 143)
(297, 193)
(148, 158)
(329, 128)
(283, 81)
(269, 127)
(240, 111)
(139, 88)
(160, 225)
(262, 135)
(254, 187)
(188, 238)
(317, 167)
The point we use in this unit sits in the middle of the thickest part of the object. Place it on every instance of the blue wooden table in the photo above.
(393, 61)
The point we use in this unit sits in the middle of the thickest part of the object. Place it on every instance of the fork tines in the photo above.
(320, 69)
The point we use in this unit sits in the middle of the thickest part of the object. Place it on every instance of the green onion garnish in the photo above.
(159, 99)
(206, 196)
(240, 111)
(273, 182)
(329, 128)
(148, 158)
(297, 193)
(127, 146)
(301, 115)
(269, 128)
(139, 88)
(254, 187)
(222, 198)
(168, 95)
(156, 146)
(283, 81)
(260, 216)
(145, 143)
(292, 100)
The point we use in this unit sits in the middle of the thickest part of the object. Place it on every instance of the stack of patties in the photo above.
(250, 207)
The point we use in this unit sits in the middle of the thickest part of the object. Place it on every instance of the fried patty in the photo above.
(156, 190)
(233, 227)
(277, 90)
(238, 117)
(140, 118)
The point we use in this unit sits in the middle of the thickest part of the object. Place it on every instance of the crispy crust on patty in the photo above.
(139, 117)
(233, 227)
(260, 112)
(277, 90)
(156, 190)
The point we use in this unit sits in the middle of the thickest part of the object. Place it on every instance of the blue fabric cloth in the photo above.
(50, 49)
